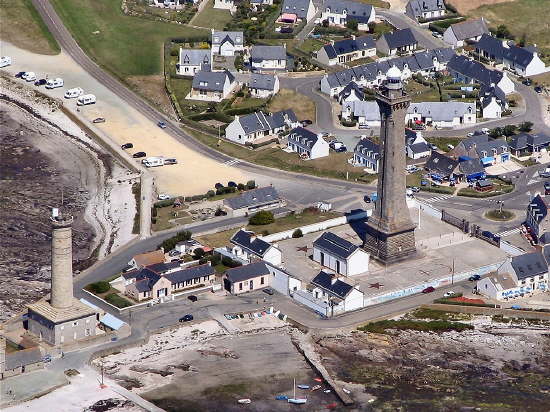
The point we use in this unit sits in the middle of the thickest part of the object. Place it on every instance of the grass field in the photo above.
(523, 18)
(377, 3)
(124, 45)
(21, 25)
(303, 107)
(211, 17)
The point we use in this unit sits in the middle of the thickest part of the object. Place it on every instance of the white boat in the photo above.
(346, 391)
(315, 388)
(244, 401)
(294, 400)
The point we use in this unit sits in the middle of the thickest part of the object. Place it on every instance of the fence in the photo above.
(462, 224)
(307, 299)
(429, 209)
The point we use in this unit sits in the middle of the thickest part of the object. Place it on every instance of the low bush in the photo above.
(170, 243)
(117, 300)
(99, 287)
(348, 123)
(263, 217)
(438, 189)
(164, 203)
(230, 263)
(297, 233)
(422, 326)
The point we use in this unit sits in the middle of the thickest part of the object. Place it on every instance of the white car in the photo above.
(163, 196)
(29, 76)
(448, 294)
(485, 130)
(470, 134)
(72, 93)
(5, 61)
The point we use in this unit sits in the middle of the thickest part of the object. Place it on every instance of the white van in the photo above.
(72, 93)
(29, 76)
(86, 99)
(153, 161)
(54, 83)
(5, 61)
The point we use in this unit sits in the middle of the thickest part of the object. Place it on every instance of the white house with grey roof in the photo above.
(307, 144)
(340, 255)
(364, 112)
(268, 58)
(351, 93)
(226, 43)
(416, 146)
(248, 246)
(252, 201)
(253, 127)
(337, 293)
(464, 70)
(339, 12)
(467, 31)
(441, 114)
(347, 50)
(193, 60)
(303, 9)
(398, 42)
(262, 86)
(366, 154)
(425, 9)
(212, 86)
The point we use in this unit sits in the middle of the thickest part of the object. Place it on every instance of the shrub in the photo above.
(241, 186)
(164, 203)
(431, 326)
(263, 217)
(210, 193)
(297, 233)
(170, 243)
(117, 300)
(251, 184)
(198, 253)
(348, 123)
(99, 287)
(526, 127)
(230, 263)
(215, 259)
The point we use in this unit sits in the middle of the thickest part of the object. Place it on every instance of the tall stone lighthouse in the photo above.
(63, 319)
(390, 230)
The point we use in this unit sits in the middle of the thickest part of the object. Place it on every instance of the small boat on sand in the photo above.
(297, 401)
(316, 388)
(244, 401)
(302, 386)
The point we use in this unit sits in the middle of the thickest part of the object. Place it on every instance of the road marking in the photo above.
(437, 198)
(508, 232)
(231, 162)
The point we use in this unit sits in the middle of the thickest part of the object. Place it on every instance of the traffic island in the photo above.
(499, 215)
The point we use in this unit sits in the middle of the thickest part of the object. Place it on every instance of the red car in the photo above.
(429, 289)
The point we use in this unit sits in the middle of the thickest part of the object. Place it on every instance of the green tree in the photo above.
(198, 253)
(352, 24)
(496, 132)
(503, 32)
(526, 127)
(170, 243)
(509, 130)
(297, 233)
(263, 217)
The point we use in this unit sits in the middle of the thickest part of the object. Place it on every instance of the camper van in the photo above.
(153, 161)
(72, 93)
(86, 99)
(54, 83)
(29, 76)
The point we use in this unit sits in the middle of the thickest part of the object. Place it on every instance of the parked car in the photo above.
(485, 130)
(411, 168)
(306, 122)
(192, 298)
(363, 126)
(415, 189)
(433, 147)
(449, 294)
(367, 199)
(163, 196)
(470, 134)
(218, 186)
(429, 289)
(171, 161)
(341, 149)
(486, 233)
(527, 82)
(19, 75)
(286, 29)
(423, 182)
(99, 120)
(545, 172)
(269, 291)
(127, 146)
(231, 184)
(29, 76)
(450, 146)
(162, 125)
(538, 89)
(73, 93)
(40, 82)
(137, 155)
(473, 278)
(186, 318)
(174, 253)
(5, 61)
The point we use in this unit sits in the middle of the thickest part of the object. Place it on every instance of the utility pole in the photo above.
(453, 273)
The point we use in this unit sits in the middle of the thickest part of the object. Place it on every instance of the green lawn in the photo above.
(21, 25)
(311, 45)
(442, 142)
(377, 3)
(124, 45)
(522, 18)
(211, 17)
(303, 107)
(359, 62)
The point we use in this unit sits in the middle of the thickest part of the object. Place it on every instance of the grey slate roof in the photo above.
(358, 11)
(364, 108)
(400, 38)
(351, 87)
(471, 167)
(529, 265)
(497, 144)
(417, 7)
(297, 7)
(518, 141)
(195, 57)
(253, 197)
(190, 273)
(145, 280)
(163, 267)
(367, 147)
(254, 122)
(338, 289)
(303, 137)
(234, 37)
(441, 164)
(490, 45)
(421, 147)
(246, 272)
(261, 53)
(282, 118)
(349, 45)
(442, 111)
(211, 81)
(539, 139)
(262, 81)
(23, 357)
(474, 70)
(335, 245)
(520, 56)
(469, 29)
(247, 240)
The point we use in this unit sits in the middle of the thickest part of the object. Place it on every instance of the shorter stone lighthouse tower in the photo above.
(63, 319)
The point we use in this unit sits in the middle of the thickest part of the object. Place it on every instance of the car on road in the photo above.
(19, 75)
(127, 146)
(450, 146)
(40, 82)
(162, 125)
(99, 120)
(415, 189)
(186, 318)
(485, 130)
(429, 289)
(538, 89)
(367, 199)
(433, 147)
(473, 278)
(163, 196)
(192, 298)
(137, 155)
(449, 294)
(5, 61)
(470, 134)
(527, 82)
(341, 149)
(269, 291)
(363, 126)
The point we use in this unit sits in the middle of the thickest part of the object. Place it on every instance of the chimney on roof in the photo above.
(332, 42)
(353, 36)
(333, 279)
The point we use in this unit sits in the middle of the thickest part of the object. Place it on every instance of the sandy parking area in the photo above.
(194, 173)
